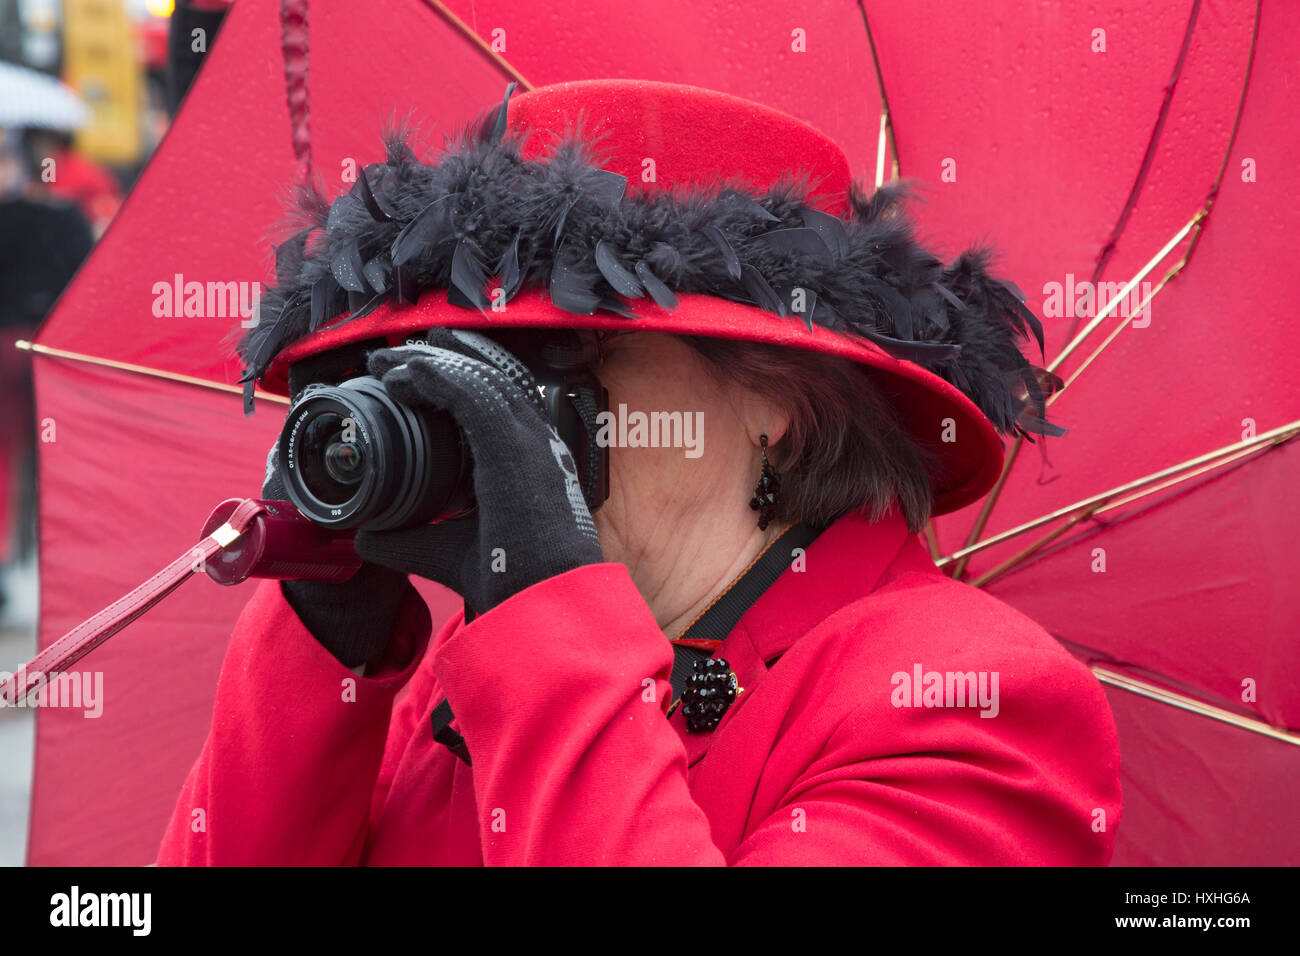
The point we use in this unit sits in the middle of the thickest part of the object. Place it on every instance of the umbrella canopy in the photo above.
(31, 98)
(1085, 142)
(1166, 565)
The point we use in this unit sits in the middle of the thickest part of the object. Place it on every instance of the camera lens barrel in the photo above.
(351, 457)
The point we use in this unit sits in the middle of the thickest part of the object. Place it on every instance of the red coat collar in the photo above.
(844, 564)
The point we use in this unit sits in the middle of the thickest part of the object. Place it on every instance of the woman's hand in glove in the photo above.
(531, 521)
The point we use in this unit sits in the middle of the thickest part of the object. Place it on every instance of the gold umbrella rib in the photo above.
(1119, 327)
(1198, 225)
(1190, 704)
(986, 509)
(1106, 499)
(144, 370)
(1128, 288)
(932, 541)
(466, 31)
(1148, 158)
(886, 141)
(1011, 563)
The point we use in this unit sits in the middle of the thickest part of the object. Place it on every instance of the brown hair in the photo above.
(846, 449)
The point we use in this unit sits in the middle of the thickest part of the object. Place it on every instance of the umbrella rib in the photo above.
(1011, 563)
(1232, 137)
(463, 28)
(144, 370)
(1149, 156)
(932, 541)
(1106, 500)
(1192, 705)
(1197, 225)
(1128, 288)
(886, 137)
(991, 499)
(1120, 327)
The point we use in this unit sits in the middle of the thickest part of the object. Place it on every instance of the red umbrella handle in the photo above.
(277, 542)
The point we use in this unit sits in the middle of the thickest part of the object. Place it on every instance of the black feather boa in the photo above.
(482, 212)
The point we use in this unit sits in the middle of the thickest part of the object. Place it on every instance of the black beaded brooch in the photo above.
(710, 690)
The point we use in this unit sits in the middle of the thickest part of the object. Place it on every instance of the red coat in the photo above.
(827, 757)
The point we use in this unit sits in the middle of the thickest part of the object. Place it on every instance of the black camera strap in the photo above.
(701, 638)
(706, 633)
(584, 403)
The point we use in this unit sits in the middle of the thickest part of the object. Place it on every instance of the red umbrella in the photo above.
(1073, 147)
(1157, 541)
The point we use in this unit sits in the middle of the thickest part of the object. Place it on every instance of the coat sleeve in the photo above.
(560, 694)
(290, 764)
(574, 762)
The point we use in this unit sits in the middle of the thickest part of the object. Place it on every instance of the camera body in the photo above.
(351, 457)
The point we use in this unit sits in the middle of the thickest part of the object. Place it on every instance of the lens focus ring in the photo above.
(352, 457)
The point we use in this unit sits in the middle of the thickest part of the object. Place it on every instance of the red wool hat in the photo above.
(631, 205)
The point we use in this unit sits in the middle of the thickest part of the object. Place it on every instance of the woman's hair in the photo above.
(845, 450)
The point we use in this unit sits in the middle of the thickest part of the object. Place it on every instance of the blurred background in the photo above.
(87, 90)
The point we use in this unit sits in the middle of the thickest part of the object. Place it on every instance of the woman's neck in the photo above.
(695, 582)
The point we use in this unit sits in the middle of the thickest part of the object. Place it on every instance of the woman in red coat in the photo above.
(739, 651)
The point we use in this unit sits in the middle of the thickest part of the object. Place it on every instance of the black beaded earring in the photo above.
(767, 490)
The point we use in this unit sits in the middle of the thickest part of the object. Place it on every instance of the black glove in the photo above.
(352, 619)
(531, 521)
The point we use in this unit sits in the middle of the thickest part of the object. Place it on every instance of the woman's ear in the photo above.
(761, 417)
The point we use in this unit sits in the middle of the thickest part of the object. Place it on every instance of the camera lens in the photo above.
(331, 465)
(351, 457)
(343, 461)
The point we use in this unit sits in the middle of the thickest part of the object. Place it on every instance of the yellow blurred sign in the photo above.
(100, 61)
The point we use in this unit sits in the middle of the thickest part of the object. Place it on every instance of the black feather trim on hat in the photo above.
(481, 217)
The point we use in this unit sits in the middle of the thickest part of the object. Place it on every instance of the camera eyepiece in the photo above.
(351, 457)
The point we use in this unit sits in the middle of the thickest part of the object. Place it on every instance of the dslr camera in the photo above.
(353, 458)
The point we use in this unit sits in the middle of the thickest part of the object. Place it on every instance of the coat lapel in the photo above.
(844, 564)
